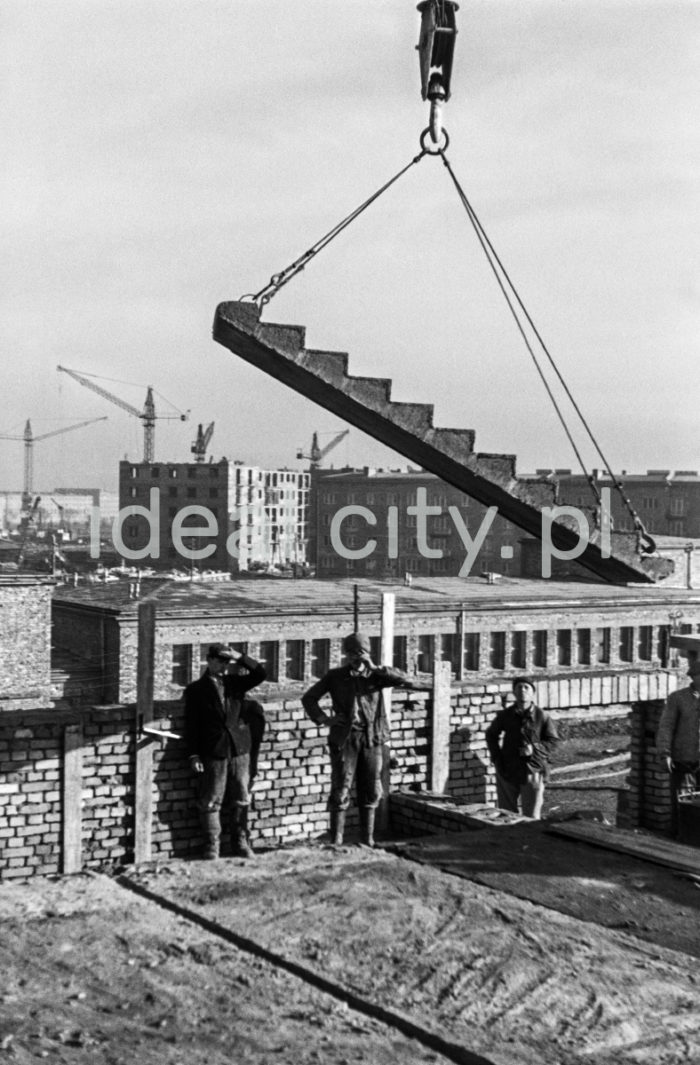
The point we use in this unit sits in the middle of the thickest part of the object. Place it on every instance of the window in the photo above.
(425, 654)
(214, 471)
(626, 645)
(497, 650)
(472, 647)
(564, 647)
(294, 659)
(191, 492)
(603, 645)
(517, 649)
(320, 657)
(645, 640)
(182, 660)
(539, 648)
(583, 647)
(400, 652)
(678, 506)
(268, 656)
(213, 493)
(172, 491)
(192, 472)
(155, 471)
(451, 650)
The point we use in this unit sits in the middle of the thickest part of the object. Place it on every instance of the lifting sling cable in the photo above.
(493, 259)
(276, 282)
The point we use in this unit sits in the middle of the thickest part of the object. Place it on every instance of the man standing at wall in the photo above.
(520, 740)
(678, 735)
(358, 730)
(223, 733)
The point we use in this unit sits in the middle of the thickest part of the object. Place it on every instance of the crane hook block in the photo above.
(438, 32)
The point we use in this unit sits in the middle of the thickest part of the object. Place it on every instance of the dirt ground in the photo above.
(502, 945)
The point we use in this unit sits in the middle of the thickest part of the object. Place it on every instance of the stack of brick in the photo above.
(427, 814)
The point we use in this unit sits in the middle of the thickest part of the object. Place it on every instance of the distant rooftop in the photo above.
(287, 596)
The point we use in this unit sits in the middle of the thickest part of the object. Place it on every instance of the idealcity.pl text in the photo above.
(183, 535)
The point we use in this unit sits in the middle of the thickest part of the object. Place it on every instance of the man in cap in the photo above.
(223, 733)
(678, 734)
(520, 740)
(358, 730)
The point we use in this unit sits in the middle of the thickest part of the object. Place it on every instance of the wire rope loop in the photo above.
(247, 296)
(437, 149)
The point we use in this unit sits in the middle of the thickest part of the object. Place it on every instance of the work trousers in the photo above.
(683, 781)
(531, 795)
(233, 771)
(356, 758)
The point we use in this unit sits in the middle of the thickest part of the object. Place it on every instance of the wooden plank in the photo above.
(439, 769)
(71, 809)
(647, 848)
(580, 766)
(143, 799)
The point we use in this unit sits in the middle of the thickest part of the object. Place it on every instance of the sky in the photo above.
(162, 156)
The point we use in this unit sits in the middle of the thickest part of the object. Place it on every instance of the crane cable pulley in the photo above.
(435, 47)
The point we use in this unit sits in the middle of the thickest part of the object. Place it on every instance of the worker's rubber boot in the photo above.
(240, 844)
(368, 815)
(337, 827)
(211, 826)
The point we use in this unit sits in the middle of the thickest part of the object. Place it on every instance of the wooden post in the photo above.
(460, 636)
(143, 799)
(386, 655)
(71, 856)
(440, 728)
(355, 608)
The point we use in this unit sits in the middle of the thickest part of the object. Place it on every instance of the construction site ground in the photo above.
(505, 944)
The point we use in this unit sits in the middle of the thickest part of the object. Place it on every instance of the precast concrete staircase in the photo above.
(365, 402)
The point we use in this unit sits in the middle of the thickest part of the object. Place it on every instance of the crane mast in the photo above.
(29, 441)
(147, 416)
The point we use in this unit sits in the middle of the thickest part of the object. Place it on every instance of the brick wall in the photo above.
(650, 794)
(292, 788)
(25, 642)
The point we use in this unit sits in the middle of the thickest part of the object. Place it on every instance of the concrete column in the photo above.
(143, 800)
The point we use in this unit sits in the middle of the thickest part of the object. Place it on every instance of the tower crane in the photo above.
(148, 415)
(29, 441)
(317, 453)
(200, 445)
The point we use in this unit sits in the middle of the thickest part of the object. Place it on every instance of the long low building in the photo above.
(485, 630)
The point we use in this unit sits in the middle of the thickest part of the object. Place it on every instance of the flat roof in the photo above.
(313, 596)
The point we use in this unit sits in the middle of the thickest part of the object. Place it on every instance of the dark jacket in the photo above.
(519, 727)
(214, 729)
(357, 701)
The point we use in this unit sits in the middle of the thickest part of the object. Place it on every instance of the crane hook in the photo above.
(438, 32)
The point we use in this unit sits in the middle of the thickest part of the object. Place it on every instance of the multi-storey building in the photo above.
(389, 523)
(667, 501)
(216, 515)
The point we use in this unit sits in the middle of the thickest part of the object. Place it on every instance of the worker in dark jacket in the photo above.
(520, 740)
(358, 730)
(223, 733)
(678, 737)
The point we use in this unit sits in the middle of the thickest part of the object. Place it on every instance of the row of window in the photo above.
(474, 652)
(193, 471)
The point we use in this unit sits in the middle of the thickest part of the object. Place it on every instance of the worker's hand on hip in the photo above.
(196, 764)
